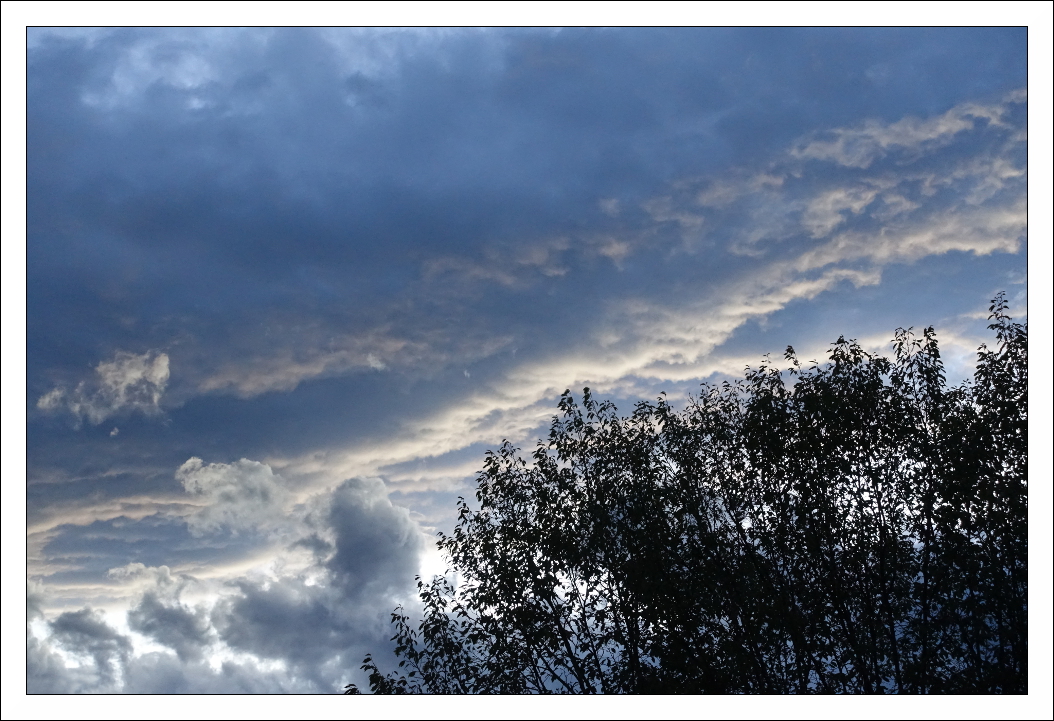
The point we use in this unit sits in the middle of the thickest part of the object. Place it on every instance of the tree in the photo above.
(851, 527)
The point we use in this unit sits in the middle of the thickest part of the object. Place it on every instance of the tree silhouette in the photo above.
(851, 527)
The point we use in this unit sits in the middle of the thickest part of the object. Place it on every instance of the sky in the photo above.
(285, 287)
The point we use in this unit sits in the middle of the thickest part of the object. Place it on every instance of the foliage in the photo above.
(852, 527)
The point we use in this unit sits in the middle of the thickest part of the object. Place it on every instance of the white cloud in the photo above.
(721, 192)
(306, 354)
(312, 356)
(977, 230)
(242, 496)
(129, 382)
(858, 147)
(825, 212)
(663, 210)
(141, 573)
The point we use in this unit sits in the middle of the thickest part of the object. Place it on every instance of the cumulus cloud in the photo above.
(240, 497)
(101, 650)
(81, 653)
(129, 382)
(161, 615)
(292, 627)
(171, 624)
(368, 551)
(375, 542)
(140, 572)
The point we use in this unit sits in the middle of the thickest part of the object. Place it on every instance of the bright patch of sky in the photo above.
(286, 286)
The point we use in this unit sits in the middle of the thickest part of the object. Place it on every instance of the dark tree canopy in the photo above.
(851, 527)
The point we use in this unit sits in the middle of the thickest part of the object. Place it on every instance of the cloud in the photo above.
(376, 544)
(825, 212)
(162, 673)
(240, 497)
(846, 227)
(85, 635)
(278, 627)
(860, 146)
(317, 353)
(129, 382)
(980, 231)
(300, 625)
(47, 671)
(833, 229)
(171, 624)
(81, 653)
(238, 174)
(367, 551)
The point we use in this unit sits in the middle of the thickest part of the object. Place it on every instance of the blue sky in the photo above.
(285, 287)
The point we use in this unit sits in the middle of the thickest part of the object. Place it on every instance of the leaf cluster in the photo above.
(855, 526)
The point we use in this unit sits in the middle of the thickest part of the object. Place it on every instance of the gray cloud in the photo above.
(171, 624)
(47, 672)
(87, 637)
(316, 633)
(105, 665)
(376, 543)
(790, 232)
(161, 613)
(159, 673)
(312, 622)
